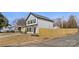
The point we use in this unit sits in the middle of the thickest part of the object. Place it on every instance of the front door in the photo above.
(34, 30)
(19, 29)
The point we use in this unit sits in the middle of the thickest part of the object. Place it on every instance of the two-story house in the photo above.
(35, 22)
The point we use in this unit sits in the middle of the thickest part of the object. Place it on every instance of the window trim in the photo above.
(31, 21)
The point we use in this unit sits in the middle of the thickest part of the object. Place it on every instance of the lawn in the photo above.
(19, 39)
(43, 35)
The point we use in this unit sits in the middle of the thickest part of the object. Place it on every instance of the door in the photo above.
(19, 29)
(34, 30)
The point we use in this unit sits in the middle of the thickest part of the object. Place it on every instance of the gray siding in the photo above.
(45, 24)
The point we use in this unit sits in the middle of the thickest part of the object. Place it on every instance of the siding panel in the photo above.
(45, 24)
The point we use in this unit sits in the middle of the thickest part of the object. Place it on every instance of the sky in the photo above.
(11, 16)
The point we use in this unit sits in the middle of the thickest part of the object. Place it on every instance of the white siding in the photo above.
(40, 23)
(45, 24)
(31, 17)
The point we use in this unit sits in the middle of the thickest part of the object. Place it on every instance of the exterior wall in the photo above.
(32, 29)
(4, 29)
(23, 30)
(40, 23)
(45, 24)
(31, 17)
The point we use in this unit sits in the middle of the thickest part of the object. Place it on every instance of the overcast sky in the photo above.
(11, 16)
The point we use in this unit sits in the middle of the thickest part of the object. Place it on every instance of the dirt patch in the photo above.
(19, 39)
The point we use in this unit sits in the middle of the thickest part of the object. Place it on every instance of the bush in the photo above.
(12, 31)
(34, 35)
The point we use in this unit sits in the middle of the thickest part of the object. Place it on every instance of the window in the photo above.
(28, 22)
(29, 29)
(32, 21)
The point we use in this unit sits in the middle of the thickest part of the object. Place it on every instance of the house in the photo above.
(9, 28)
(35, 22)
(20, 25)
(20, 29)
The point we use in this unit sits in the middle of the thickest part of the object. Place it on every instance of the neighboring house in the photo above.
(19, 29)
(20, 25)
(11, 28)
(35, 22)
(8, 28)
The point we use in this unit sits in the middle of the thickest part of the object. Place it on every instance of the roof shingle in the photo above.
(41, 17)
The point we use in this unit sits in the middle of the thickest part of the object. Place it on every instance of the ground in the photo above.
(17, 39)
(67, 41)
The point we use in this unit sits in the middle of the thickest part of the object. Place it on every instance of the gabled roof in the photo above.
(40, 16)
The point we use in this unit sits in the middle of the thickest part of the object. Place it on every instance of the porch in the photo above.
(33, 29)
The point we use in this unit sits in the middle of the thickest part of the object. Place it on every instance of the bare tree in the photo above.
(64, 24)
(72, 22)
(21, 22)
(58, 22)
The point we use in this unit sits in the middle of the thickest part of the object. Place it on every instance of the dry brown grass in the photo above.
(45, 34)
(56, 32)
(17, 40)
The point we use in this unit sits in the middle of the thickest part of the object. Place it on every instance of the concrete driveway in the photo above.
(69, 41)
